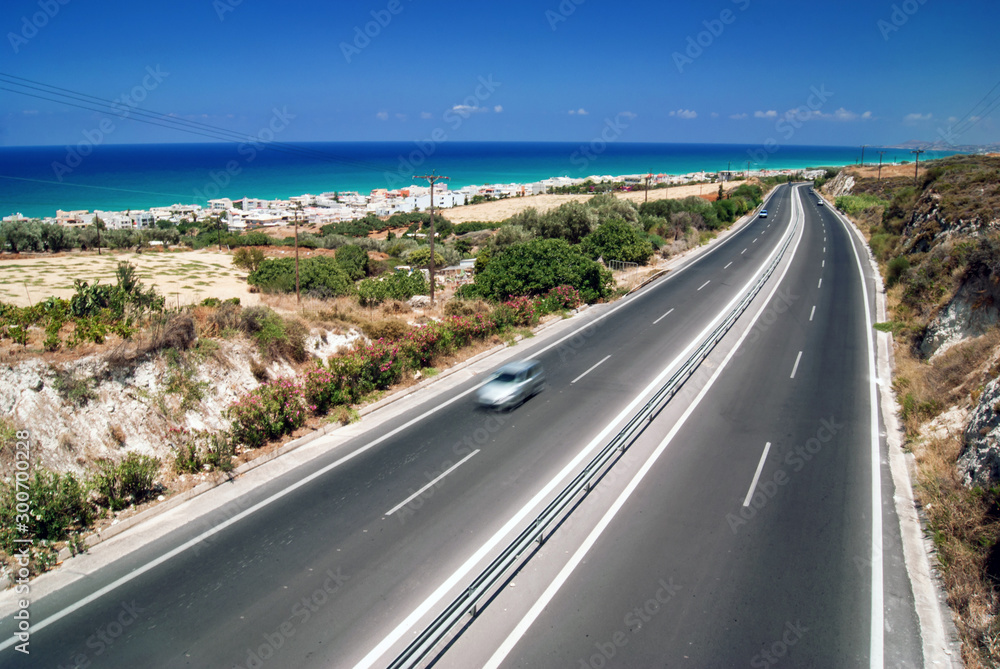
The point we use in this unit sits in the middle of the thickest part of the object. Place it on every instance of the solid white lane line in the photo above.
(820, 285)
(529, 618)
(756, 476)
(798, 359)
(705, 284)
(876, 653)
(812, 313)
(727, 266)
(663, 316)
(592, 368)
(430, 485)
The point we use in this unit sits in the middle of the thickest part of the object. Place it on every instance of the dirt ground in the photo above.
(499, 210)
(183, 277)
(888, 171)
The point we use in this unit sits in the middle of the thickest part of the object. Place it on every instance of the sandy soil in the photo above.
(183, 277)
(888, 171)
(501, 209)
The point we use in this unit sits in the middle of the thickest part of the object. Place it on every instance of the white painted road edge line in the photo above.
(508, 644)
(756, 476)
(431, 484)
(795, 368)
(591, 369)
(406, 626)
(876, 654)
(663, 316)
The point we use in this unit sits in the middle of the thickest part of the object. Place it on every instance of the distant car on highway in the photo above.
(512, 385)
(763, 213)
(819, 201)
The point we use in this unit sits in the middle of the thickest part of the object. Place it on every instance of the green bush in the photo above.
(895, 269)
(618, 240)
(57, 506)
(127, 482)
(856, 204)
(536, 267)
(353, 260)
(399, 285)
(320, 276)
(248, 258)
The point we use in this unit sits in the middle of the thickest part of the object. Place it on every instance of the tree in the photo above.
(353, 260)
(572, 221)
(98, 225)
(535, 267)
(618, 240)
(421, 257)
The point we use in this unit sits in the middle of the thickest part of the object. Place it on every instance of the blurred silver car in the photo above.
(512, 385)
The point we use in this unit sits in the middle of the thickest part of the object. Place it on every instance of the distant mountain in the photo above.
(941, 145)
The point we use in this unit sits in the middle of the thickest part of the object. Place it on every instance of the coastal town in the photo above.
(250, 213)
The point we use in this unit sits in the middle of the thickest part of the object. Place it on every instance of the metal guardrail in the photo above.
(468, 600)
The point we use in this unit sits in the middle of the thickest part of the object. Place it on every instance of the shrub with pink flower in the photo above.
(563, 297)
(267, 412)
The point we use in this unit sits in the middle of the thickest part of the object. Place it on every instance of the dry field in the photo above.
(182, 277)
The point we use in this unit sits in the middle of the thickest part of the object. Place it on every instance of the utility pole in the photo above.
(916, 168)
(648, 177)
(432, 178)
(880, 154)
(863, 146)
(298, 297)
(218, 223)
(748, 170)
(729, 171)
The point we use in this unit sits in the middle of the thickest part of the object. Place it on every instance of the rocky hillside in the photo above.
(937, 239)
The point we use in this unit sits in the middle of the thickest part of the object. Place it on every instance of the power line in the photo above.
(87, 102)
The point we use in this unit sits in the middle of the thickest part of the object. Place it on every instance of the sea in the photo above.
(37, 181)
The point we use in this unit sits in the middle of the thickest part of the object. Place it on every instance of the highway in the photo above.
(338, 562)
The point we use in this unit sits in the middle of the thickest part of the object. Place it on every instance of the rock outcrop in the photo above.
(979, 462)
(969, 314)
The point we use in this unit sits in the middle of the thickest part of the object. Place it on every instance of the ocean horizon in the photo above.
(37, 181)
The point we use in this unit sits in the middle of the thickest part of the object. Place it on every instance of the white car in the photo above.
(512, 385)
(763, 213)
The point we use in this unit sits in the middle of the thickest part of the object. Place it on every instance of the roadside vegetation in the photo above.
(932, 239)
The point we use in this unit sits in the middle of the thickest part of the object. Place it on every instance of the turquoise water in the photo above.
(36, 181)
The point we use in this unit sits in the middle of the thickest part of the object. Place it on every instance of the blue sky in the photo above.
(873, 72)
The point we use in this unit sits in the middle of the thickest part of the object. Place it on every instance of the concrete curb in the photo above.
(941, 643)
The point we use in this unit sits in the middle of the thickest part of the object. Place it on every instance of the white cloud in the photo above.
(628, 114)
(768, 114)
(498, 109)
(401, 117)
(715, 114)
(578, 112)
(867, 116)
(685, 113)
(917, 118)
(469, 109)
(738, 117)
(382, 116)
(426, 115)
